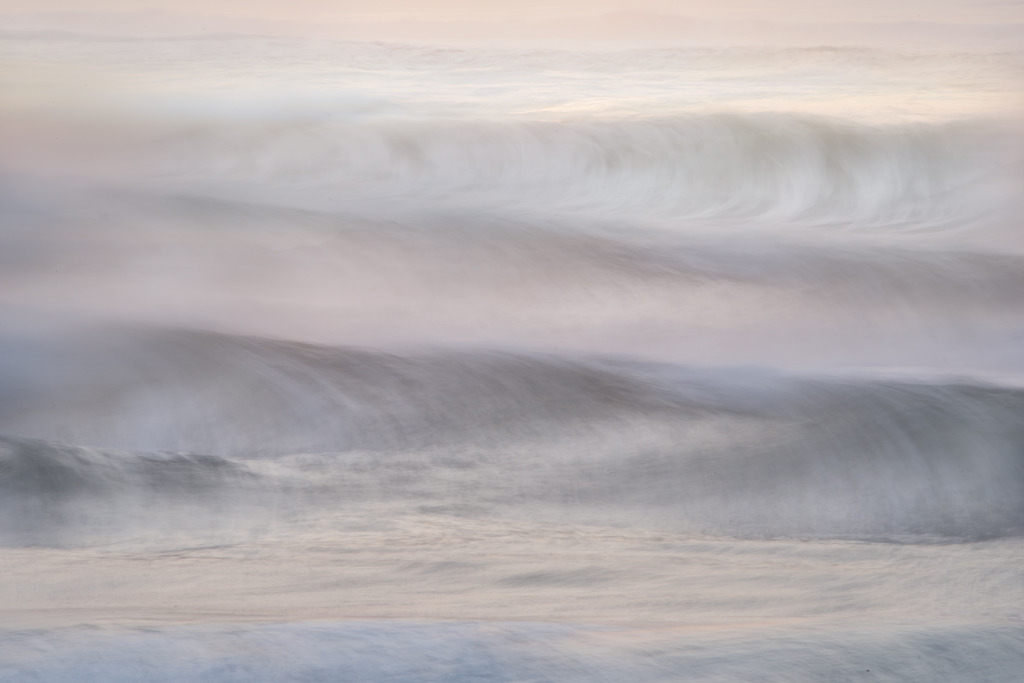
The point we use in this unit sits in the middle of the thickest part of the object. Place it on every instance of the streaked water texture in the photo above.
(354, 361)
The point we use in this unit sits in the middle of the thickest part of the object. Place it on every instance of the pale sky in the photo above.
(779, 10)
(949, 23)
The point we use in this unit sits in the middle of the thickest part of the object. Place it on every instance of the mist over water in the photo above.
(350, 360)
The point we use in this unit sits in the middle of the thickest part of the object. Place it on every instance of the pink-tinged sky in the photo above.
(775, 10)
(989, 24)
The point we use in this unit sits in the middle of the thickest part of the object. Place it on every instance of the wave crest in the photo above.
(761, 167)
(740, 452)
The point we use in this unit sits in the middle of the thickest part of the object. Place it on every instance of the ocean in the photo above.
(342, 360)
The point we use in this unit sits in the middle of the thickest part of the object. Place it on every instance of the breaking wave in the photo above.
(769, 168)
(736, 451)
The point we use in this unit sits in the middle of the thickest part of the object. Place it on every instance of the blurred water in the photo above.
(573, 364)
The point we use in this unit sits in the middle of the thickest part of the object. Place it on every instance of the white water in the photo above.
(329, 360)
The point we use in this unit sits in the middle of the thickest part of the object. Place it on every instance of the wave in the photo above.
(764, 169)
(199, 392)
(771, 168)
(238, 396)
(63, 495)
(724, 451)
